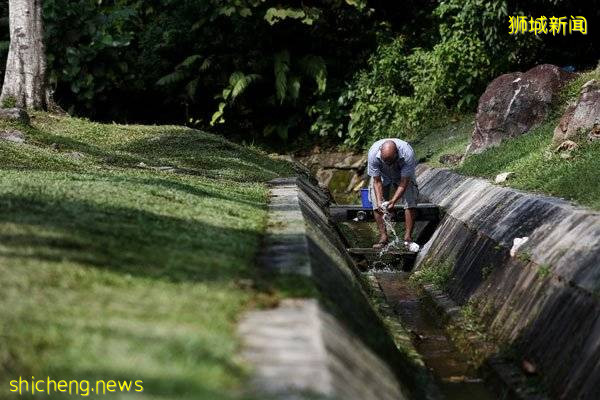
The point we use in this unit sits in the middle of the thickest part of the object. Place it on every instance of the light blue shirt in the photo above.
(404, 166)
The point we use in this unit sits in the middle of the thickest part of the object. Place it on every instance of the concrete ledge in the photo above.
(304, 347)
(545, 300)
(285, 248)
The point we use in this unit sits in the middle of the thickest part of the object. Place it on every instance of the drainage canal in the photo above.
(456, 377)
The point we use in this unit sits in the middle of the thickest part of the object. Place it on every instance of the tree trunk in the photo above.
(25, 76)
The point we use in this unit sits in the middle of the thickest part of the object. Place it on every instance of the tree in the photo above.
(25, 76)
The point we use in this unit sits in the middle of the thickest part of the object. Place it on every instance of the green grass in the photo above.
(531, 157)
(436, 274)
(537, 168)
(110, 270)
(451, 137)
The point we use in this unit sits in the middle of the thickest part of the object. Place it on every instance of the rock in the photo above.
(514, 103)
(354, 181)
(13, 136)
(583, 115)
(166, 168)
(324, 177)
(567, 145)
(359, 186)
(14, 114)
(281, 157)
(503, 177)
(594, 133)
(334, 160)
(76, 155)
(360, 163)
(451, 159)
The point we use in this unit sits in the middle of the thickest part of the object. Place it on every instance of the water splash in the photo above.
(389, 226)
(382, 266)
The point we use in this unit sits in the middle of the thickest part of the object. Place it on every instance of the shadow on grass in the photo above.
(158, 380)
(197, 153)
(125, 240)
(189, 151)
(173, 184)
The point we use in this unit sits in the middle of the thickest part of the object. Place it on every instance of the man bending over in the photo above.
(391, 166)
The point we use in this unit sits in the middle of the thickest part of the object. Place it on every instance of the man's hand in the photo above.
(391, 205)
(383, 207)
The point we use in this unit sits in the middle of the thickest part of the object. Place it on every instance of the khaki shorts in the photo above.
(409, 197)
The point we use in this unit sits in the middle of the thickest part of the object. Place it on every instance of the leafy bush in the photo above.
(377, 102)
(449, 75)
(355, 70)
(402, 90)
(87, 45)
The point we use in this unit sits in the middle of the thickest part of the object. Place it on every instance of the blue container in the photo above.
(364, 197)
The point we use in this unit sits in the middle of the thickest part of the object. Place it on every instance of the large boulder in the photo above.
(582, 116)
(514, 103)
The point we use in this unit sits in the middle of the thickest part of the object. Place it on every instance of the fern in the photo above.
(314, 67)
(172, 78)
(238, 82)
(281, 67)
(181, 73)
(217, 117)
(191, 88)
(294, 88)
(189, 61)
(206, 64)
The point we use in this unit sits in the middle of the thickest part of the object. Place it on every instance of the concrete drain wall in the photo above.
(545, 300)
(334, 347)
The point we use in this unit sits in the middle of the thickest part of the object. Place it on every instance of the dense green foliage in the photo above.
(343, 70)
(115, 270)
(407, 85)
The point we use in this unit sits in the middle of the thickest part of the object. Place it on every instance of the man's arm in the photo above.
(399, 192)
(378, 188)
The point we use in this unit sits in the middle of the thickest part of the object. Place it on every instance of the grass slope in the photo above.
(110, 269)
(537, 167)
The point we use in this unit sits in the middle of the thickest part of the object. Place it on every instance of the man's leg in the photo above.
(409, 200)
(410, 215)
(378, 215)
(383, 237)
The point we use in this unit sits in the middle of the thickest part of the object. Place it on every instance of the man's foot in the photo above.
(381, 244)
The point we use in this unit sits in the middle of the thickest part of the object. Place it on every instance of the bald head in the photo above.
(389, 151)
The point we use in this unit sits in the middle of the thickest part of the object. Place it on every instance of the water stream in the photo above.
(395, 242)
(456, 377)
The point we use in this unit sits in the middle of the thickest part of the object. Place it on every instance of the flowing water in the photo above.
(456, 377)
(391, 229)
